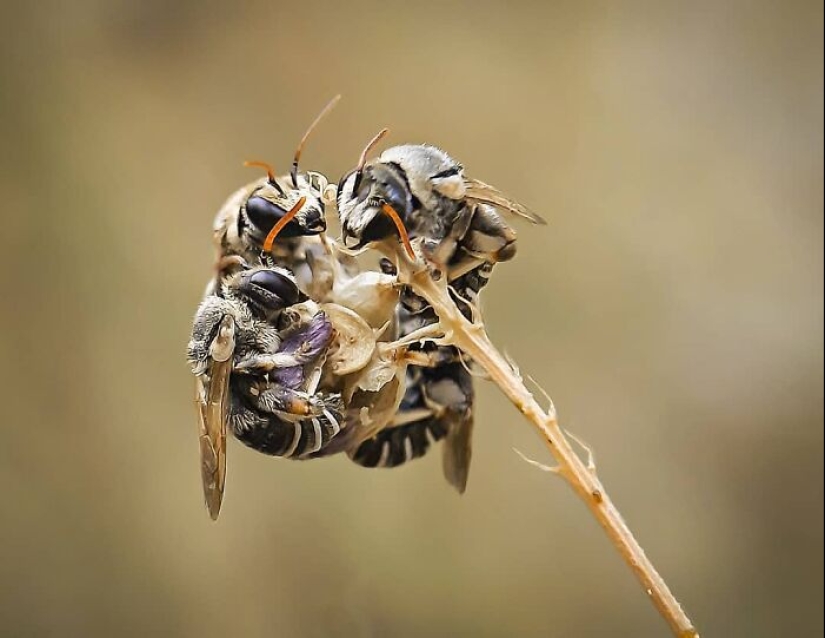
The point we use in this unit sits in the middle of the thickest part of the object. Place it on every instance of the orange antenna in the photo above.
(294, 172)
(270, 173)
(402, 230)
(277, 228)
(363, 159)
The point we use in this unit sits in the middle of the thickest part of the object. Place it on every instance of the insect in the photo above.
(254, 351)
(245, 223)
(418, 191)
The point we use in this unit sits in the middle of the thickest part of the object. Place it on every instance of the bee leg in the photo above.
(440, 253)
(263, 363)
(204, 345)
(299, 348)
(465, 289)
(489, 237)
(258, 422)
(429, 356)
(278, 398)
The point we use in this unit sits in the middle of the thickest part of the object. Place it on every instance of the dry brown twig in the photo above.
(471, 338)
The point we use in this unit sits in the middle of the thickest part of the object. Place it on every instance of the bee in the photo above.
(419, 191)
(254, 351)
(291, 207)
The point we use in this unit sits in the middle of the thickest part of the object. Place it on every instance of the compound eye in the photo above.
(271, 289)
(395, 194)
(263, 214)
(392, 186)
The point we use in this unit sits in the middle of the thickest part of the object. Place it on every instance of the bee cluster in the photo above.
(302, 349)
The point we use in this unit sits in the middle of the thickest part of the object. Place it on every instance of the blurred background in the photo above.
(673, 308)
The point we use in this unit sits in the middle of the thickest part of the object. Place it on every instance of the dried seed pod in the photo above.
(372, 295)
(354, 341)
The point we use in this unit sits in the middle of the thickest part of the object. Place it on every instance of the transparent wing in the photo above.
(478, 191)
(458, 451)
(212, 400)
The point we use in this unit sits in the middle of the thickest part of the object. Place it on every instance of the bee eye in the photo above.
(395, 194)
(263, 214)
(271, 289)
(393, 186)
(364, 187)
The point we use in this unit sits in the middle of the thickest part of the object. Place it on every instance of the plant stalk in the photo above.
(472, 339)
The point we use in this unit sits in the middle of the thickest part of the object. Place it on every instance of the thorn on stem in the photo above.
(513, 365)
(541, 466)
(551, 408)
(591, 458)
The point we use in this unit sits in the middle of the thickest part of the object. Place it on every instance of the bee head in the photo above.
(267, 290)
(362, 199)
(272, 200)
(420, 183)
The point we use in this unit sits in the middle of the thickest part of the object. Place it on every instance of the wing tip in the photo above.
(213, 506)
(533, 216)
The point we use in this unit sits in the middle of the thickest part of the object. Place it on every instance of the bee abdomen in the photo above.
(397, 445)
(442, 396)
(276, 435)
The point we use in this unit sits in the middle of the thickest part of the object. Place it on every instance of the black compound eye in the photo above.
(271, 289)
(263, 214)
(396, 195)
(364, 185)
(393, 187)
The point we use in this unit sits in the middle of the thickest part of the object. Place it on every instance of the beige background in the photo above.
(673, 308)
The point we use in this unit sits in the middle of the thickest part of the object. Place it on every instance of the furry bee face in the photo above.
(269, 201)
(423, 184)
(248, 216)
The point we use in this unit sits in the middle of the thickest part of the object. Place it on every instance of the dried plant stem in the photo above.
(472, 339)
